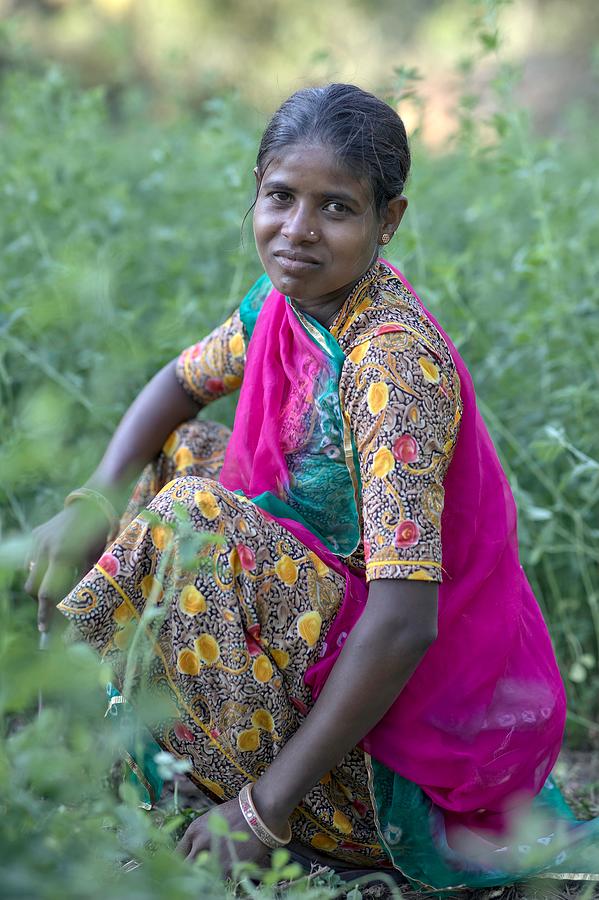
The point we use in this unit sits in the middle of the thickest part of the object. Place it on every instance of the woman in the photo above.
(407, 730)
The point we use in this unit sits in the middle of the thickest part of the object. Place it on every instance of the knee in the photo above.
(196, 447)
(183, 490)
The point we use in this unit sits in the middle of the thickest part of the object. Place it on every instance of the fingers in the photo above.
(196, 838)
(200, 840)
(41, 583)
(184, 845)
(30, 581)
(36, 573)
(45, 602)
(36, 570)
(196, 848)
(54, 586)
(34, 586)
(59, 548)
(44, 612)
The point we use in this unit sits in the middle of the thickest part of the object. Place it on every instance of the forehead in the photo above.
(315, 168)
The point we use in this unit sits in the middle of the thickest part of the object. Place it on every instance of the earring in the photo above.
(385, 239)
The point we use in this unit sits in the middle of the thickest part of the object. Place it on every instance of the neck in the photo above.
(324, 309)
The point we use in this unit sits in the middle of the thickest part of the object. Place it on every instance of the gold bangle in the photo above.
(102, 502)
(262, 832)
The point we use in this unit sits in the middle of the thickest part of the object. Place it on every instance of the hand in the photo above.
(64, 548)
(199, 837)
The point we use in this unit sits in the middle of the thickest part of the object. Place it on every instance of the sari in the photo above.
(466, 747)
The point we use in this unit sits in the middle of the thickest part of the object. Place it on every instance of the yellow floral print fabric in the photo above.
(401, 396)
(404, 430)
(214, 366)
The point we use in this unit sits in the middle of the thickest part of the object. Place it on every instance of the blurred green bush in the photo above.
(119, 246)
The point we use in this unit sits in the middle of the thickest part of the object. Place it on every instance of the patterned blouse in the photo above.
(400, 393)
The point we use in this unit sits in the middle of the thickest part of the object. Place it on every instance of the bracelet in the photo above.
(102, 502)
(261, 831)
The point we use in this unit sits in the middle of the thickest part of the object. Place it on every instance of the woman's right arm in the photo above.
(71, 541)
(160, 407)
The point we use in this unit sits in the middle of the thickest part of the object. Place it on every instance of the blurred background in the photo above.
(186, 51)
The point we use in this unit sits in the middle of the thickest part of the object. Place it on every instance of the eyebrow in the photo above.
(329, 195)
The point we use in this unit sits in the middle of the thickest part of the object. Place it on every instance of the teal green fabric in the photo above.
(253, 301)
(139, 746)
(319, 468)
(551, 843)
(337, 354)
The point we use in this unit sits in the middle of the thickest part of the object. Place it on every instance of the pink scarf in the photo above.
(480, 722)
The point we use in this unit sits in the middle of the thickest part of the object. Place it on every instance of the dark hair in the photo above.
(367, 135)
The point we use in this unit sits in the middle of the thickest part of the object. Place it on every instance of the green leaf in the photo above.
(240, 836)
(279, 857)
(354, 894)
(218, 825)
(489, 39)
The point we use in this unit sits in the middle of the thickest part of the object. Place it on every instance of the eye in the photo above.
(336, 206)
(280, 196)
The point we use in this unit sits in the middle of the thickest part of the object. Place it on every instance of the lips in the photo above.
(295, 261)
(296, 256)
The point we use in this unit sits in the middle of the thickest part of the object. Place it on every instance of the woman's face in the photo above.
(315, 225)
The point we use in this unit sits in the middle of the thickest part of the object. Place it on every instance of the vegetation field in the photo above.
(120, 243)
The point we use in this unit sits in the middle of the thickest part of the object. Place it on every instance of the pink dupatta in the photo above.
(480, 722)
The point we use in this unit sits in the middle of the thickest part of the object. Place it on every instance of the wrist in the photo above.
(262, 829)
(99, 500)
(272, 806)
(115, 487)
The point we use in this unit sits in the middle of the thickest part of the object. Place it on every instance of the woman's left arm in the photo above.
(378, 658)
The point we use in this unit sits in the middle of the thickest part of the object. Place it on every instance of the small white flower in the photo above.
(169, 766)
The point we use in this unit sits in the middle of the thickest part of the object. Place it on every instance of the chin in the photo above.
(291, 285)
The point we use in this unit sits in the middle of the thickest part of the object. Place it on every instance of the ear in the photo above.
(257, 177)
(392, 216)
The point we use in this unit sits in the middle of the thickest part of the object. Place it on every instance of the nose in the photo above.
(299, 226)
